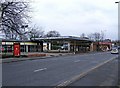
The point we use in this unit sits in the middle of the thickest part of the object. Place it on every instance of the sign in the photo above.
(106, 43)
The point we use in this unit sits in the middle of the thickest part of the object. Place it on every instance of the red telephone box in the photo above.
(16, 49)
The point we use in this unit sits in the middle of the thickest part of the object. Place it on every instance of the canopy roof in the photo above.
(69, 38)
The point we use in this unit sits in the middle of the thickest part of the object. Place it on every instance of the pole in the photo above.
(118, 21)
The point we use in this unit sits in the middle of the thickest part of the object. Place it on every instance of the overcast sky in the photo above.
(74, 17)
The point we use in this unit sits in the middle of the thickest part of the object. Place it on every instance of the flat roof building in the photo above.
(65, 44)
(26, 46)
(48, 44)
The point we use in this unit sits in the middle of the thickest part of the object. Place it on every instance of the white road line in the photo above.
(42, 69)
(77, 61)
(80, 60)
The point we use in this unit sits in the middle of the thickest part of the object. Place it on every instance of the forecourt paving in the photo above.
(50, 72)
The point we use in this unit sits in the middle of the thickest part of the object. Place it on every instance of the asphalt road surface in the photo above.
(51, 71)
(105, 75)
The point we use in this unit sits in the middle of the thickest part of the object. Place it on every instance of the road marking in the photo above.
(77, 61)
(77, 77)
(42, 69)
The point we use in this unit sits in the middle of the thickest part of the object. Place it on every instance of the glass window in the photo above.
(7, 48)
(32, 48)
(23, 48)
(59, 46)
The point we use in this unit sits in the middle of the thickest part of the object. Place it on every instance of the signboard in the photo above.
(28, 43)
(106, 43)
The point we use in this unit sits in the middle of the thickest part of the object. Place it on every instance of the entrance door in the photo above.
(16, 49)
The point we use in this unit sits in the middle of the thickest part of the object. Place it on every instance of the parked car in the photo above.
(114, 51)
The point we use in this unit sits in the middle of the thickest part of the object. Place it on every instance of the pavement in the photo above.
(33, 56)
(54, 71)
(37, 55)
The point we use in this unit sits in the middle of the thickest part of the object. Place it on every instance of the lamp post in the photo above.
(118, 2)
(118, 25)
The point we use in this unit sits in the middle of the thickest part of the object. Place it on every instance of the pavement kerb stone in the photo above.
(21, 59)
(78, 77)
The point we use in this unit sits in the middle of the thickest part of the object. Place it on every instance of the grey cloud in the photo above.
(73, 17)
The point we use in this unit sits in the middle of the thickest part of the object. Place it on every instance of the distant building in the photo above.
(107, 40)
(48, 44)
(54, 44)
(102, 46)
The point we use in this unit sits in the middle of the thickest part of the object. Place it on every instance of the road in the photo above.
(51, 71)
(105, 75)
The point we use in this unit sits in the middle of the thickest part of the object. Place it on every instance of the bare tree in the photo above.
(36, 32)
(13, 17)
(102, 35)
(53, 34)
(82, 35)
(96, 36)
(90, 36)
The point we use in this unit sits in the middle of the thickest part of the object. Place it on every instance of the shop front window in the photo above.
(32, 48)
(23, 48)
(7, 48)
(59, 46)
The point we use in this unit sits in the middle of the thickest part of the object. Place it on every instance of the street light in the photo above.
(118, 2)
